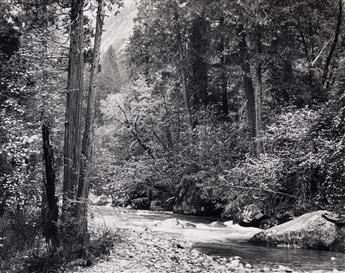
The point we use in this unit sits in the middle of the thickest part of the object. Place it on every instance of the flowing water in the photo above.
(219, 239)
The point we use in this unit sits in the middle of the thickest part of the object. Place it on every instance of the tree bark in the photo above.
(224, 78)
(83, 187)
(258, 95)
(258, 108)
(199, 75)
(186, 96)
(72, 142)
(141, 142)
(50, 209)
(50, 230)
(248, 86)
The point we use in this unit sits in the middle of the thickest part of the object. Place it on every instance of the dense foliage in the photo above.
(262, 124)
(225, 108)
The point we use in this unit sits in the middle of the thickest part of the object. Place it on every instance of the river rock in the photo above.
(189, 225)
(282, 268)
(218, 224)
(310, 230)
(235, 263)
(249, 266)
(169, 224)
(124, 263)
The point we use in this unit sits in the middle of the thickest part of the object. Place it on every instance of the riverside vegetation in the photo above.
(231, 109)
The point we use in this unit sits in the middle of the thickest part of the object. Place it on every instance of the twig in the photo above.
(318, 56)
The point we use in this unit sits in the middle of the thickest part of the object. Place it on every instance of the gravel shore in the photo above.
(151, 252)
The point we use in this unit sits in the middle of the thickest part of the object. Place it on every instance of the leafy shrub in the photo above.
(300, 169)
(328, 142)
(102, 241)
(277, 180)
(20, 235)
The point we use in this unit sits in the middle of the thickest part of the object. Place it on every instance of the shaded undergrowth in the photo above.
(65, 260)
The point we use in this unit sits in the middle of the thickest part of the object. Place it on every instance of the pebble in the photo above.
(123, 263)
(284, 269)
(235, 263)
(265, 269)
(248, 266)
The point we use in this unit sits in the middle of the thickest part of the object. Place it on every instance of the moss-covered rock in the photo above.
(310, 230)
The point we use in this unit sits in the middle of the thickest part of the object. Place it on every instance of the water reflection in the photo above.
(294, 258)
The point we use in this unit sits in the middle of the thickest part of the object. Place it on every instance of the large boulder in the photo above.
(312, 230)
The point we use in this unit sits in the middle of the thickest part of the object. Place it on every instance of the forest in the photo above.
(231, 109)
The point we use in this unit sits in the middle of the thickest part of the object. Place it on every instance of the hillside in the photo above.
(119, 27)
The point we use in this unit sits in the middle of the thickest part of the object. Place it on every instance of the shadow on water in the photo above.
(298, 259)
(164, 215)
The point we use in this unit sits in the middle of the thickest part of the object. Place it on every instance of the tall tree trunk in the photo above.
(258, 95)
(83, 187)
(248, 87)
(199, 43)
(224, 78)
(72, 147)
(186, 95)
(258, 108)
(49, 206)
(50, 230)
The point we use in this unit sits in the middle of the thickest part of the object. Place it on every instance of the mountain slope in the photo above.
(117, 29)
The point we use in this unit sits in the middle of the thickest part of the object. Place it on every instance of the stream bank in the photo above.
(162, 242)
(152, 252)
(153, 242)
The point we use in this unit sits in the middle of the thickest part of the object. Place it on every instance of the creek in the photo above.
(218, 239)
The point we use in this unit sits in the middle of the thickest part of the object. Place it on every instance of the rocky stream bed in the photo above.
(159, 242)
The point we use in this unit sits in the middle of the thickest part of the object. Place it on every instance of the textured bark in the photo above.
(141, 142)
(72, 147)
(50, 209)
(258, 96)
(248, 86)
(186, 95)
(224, 78)
(50, 230)
(72, 236)
(83, 187)
(199, 47)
